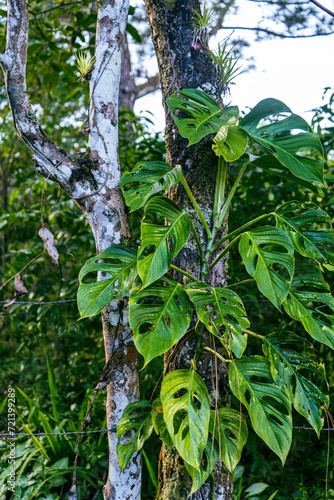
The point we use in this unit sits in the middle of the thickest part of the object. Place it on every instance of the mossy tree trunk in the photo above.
(185, 64)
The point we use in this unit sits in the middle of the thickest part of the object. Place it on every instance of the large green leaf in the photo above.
(280, 138)
(211, 453)
(159, 423)
(191, 436)
(137, 420)
(93, 297)
(233, 145)
(300, 305)
(272, 165)
(285, 366)
(292, 217)
(159, 316)
(230, 430)
(147, 179)
(162, 241)
(260, 250)
(206, 115)
(269, 408)
(217, 307)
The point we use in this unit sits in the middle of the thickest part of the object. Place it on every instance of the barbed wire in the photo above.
(113, 429)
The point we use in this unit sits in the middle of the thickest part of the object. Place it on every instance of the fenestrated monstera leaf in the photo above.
(300, 305)
(156, 239)
(230, 430)
(272, 165)
(138, 419)
(292, 217)
(233, 145)
(260, 249)
(159, 316)
(191, 436)
(147, 179)
(268, 407)
(159, 423)
(93, 297)
(211, 452)
(285, 364)
(280, 139)
(218, 307)
(206, 116)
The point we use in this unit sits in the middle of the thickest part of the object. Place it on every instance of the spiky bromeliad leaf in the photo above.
(268, 407)
(217, 307)
(301, 303)
(147, 179)
(191, 436)
(93, 297)
(159, 423)
(138, 419)
(159, 316)
(292, 217)
(230, 430)
(206, 117)
(156, 238)
(285, 364)
(262, 248)
(277, 138)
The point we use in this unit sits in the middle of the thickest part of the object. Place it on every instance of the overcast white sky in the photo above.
(293, 70)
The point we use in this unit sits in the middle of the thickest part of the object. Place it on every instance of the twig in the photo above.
(25, 267)
(274, 33)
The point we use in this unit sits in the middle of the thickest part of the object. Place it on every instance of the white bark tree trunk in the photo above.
(96, 191)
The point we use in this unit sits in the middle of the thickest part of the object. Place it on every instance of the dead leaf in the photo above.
(73, 493)
(49, 245)
(19, 289)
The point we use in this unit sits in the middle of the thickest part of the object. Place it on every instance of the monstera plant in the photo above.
(163, 309)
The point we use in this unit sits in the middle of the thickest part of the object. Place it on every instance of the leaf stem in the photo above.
(224, 252)
(183, 272)
(218, 355)
(244, 282)
(253, 334)
(236, 231)
(196, 207)
(198, 243)
(228, 201)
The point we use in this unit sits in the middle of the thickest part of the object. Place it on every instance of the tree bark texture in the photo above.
(93, 183)
(183, 64)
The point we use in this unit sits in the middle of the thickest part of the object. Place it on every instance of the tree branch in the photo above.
(274, 33)
(50, 160)
(151, 84)
(322, 7)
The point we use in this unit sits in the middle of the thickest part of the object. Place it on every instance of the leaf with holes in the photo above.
(285, 365)
(209, 460)
(206, 117)
(147, 179)
(191, 436)
(300, 305)
(161, 242)
(93, 297)
(260, 250)
(159, 423)
(230, 430)
(268, 407)
(136, 421)
(294, 218)
(217, 307)
(287, 139)
(159, 316)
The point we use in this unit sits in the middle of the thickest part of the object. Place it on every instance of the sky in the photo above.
(295, 71)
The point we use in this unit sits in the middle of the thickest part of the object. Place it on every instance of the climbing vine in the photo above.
(285, 253)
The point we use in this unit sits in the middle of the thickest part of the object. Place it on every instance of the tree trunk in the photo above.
(94, 185)
(185, 64)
